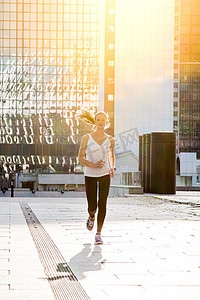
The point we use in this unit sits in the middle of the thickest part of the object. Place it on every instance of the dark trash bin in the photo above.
(140, 153)
(140, 156)
(147, 163)
(163, 163)
(143, 175)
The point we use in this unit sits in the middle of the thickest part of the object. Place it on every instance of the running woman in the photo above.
(97, 155)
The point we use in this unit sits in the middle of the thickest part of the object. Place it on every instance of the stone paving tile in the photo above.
(4, 272)
(4, 280)
(4, 253)
(172, 292)
(118, 292)
(5, 237)
(2, 288)
(21, 273)
(26, 294)
(181, 197)
(150, 251)
(143, 248)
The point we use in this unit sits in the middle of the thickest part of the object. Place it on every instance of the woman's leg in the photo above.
(91, 193)
(104, 185)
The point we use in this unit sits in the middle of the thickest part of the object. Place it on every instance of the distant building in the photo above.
(126, 162)
(188, 172)
(52, 60)
(186, 115)
(143, 70)
(186, 122)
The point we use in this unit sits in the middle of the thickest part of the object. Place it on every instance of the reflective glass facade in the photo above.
(50, 66)
(187, 75)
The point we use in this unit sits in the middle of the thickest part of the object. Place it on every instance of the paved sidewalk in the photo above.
(182, 197)
(150, 251)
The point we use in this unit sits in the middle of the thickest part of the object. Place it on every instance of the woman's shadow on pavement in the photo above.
(86, 261)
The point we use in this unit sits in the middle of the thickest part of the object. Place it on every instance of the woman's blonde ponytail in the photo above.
(85, 116)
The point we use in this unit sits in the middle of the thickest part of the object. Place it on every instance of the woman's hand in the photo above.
(99, 164)
(112, 172)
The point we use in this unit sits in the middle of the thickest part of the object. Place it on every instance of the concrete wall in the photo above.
(188, 163)
(61, 179)
(42, 194)
(23, 177)
(189, 169)
(126, 162)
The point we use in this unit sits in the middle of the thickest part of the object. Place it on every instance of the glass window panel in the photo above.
(110, 46)
(185, 29)
(46, 17)
(26, 25)
(60, 26)
(46, 26)
(53, 17)
(13, 7)
(26, 34)
(93, 18)
(6, 43)
(12, 42)
(5, 16)
(93, 9)
(33, 17)
(6, 24)
(27, 16)
(111, 11)
(6, 7)
(111, 63)
(33, 7)
(19, 17)
(19, 7)
(196, 29)
(12, 25)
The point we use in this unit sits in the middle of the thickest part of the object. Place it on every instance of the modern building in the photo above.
(187, 75)
(157, 76)
(143, 70)
(53, 60)
(109, 65)
(187, 88)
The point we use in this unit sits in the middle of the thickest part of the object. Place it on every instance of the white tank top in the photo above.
(94, 153)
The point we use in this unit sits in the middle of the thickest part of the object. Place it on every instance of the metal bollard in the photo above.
(12, 188)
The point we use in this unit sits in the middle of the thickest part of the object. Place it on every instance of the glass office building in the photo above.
(51, 65)
(187, 75)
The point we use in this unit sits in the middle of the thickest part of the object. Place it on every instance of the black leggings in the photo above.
(91, 193)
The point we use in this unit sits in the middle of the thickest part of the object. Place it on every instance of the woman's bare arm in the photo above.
(112, 155)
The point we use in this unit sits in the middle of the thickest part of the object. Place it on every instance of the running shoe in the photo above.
(98, 239)
(90, 224)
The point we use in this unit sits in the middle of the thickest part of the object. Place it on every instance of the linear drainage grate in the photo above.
(62, 280)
